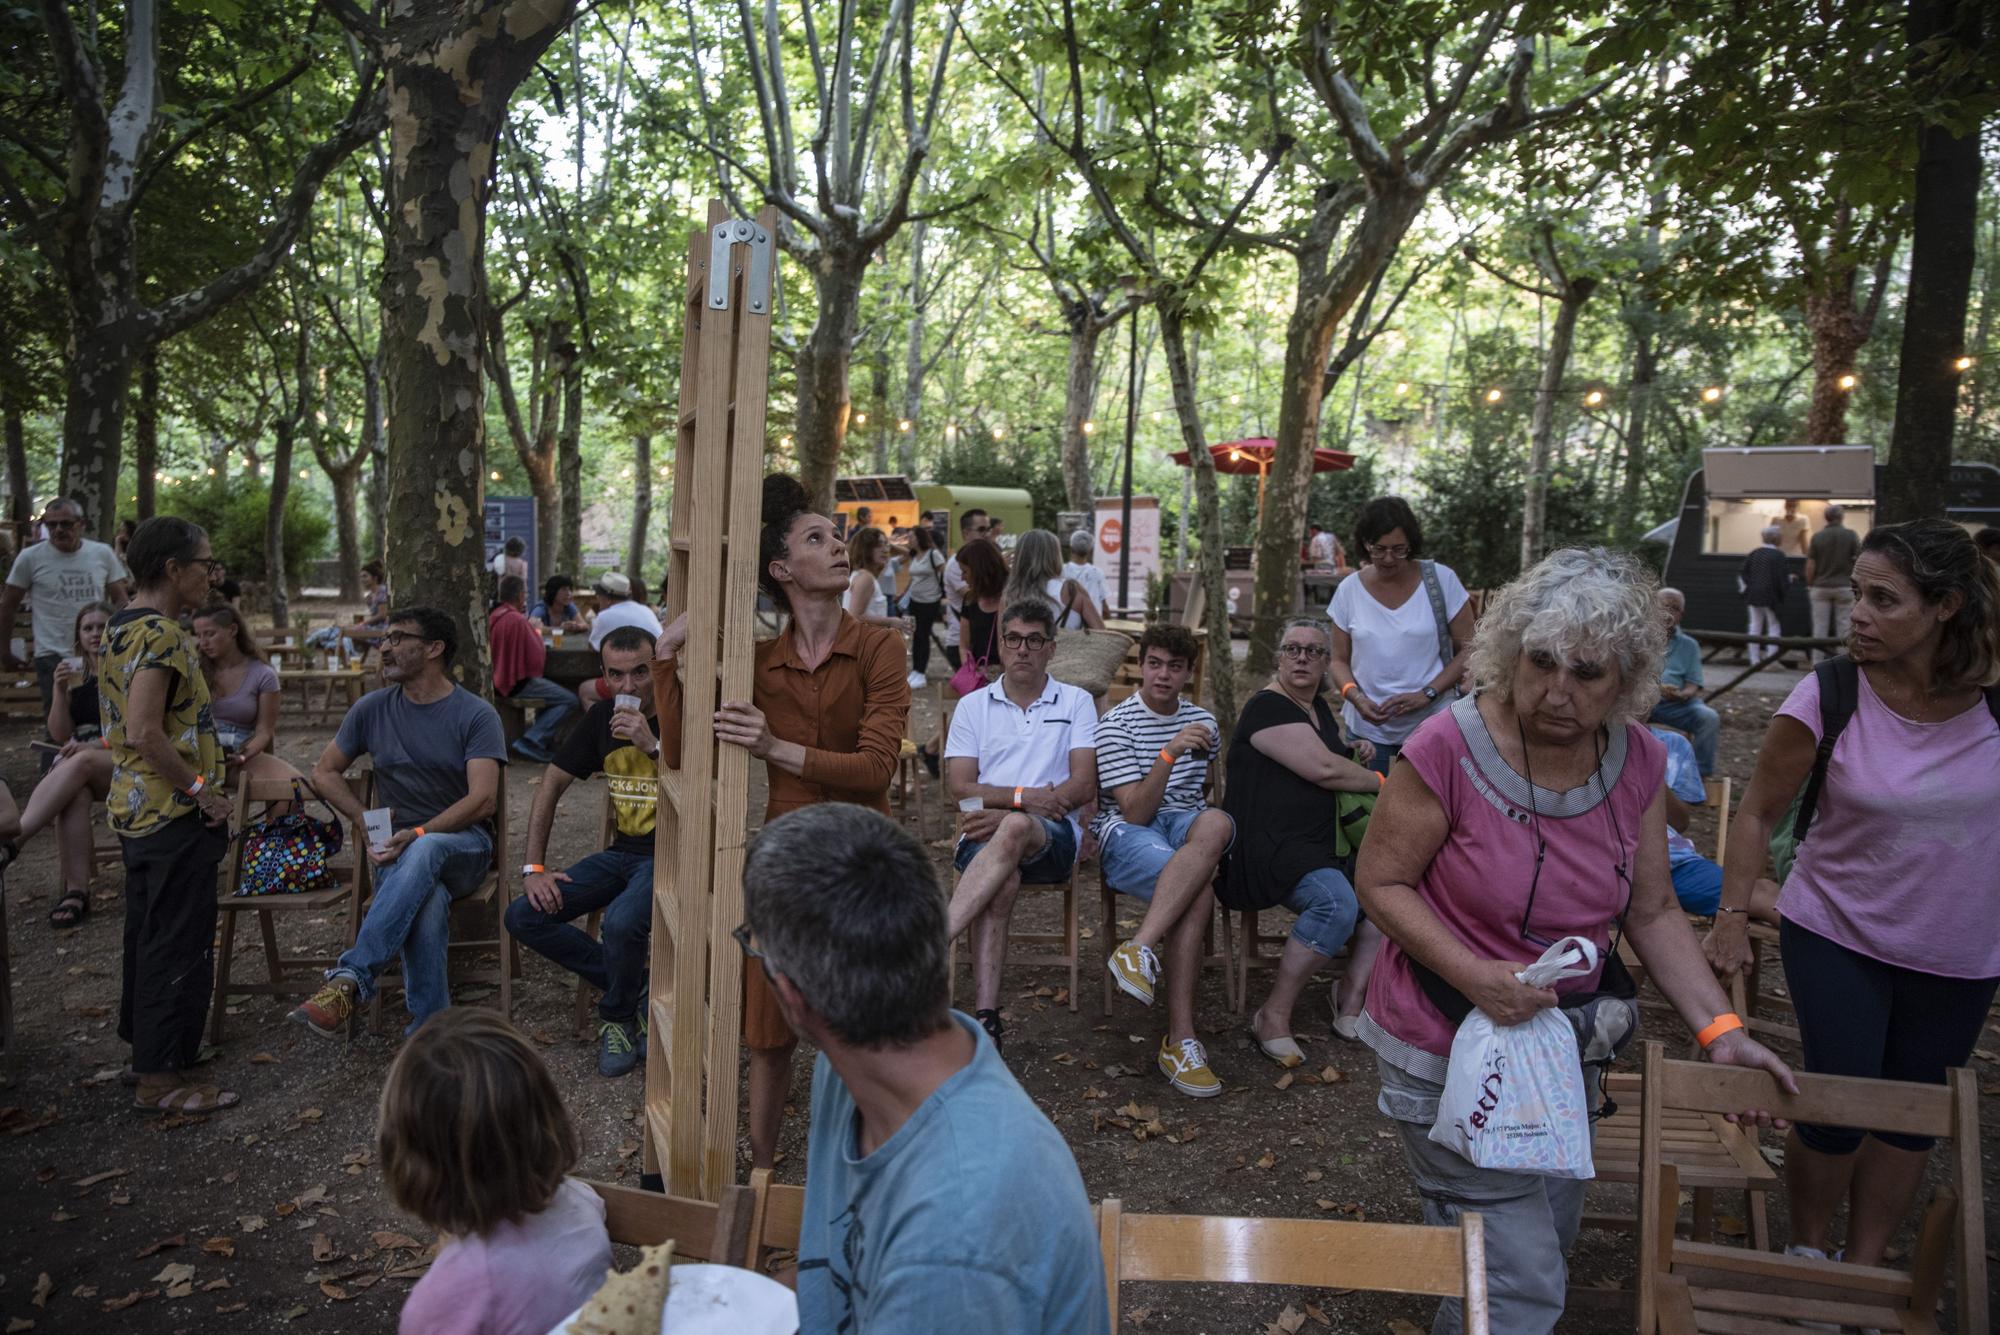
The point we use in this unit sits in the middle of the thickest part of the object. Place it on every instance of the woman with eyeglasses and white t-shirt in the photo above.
(1390, 667)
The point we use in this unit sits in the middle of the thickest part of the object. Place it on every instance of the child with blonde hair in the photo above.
(474, 1140)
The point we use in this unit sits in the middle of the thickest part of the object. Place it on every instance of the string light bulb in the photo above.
(303, 474)
(1713, 394)
(494, 475)
(1090, 428)
(999, 432)
(1847, 382)
(1592, 399)
(784, 442)
(1493, 396)
(211, 472)
(1402, 387)
(1964, 363)
(1236, 398)
(903, 425)
(861, 419)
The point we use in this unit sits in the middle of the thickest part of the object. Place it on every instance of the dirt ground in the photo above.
(272, 1216)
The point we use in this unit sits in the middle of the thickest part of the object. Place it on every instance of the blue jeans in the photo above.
(1697, 884)
(1699, 722)
(410, 916)
(1133, 856)
(621, 884)
(1327, 909)
(1049, 865)
(556, 704)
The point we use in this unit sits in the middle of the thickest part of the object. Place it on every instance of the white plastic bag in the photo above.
(1514, 1095)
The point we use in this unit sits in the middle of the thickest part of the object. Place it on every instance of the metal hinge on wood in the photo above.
(757, 282)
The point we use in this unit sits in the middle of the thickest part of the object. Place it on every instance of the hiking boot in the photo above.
(1135, 968)
(328, 1010)
(1186, 1065)
(617, 1048)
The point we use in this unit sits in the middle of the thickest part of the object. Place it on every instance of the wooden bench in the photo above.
(718, 1232)
(1688, 1287)
(298, 975)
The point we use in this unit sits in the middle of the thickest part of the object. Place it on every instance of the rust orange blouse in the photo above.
(849, 714)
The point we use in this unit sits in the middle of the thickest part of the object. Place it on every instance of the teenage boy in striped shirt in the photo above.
(1160, 841)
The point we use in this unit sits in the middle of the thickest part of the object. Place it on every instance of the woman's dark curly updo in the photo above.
(785, 499)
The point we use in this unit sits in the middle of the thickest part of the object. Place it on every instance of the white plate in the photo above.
(721, 1300)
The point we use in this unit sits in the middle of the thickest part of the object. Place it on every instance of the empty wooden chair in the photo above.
(1691, 1286)
(345, 894)
(1710, 1153)
(1316, 1253)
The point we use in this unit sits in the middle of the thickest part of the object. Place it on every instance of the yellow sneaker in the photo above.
(1186, 1065)
(326, 1011)
(1135, 968)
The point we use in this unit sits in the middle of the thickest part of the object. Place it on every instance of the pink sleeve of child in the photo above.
(451, 1298)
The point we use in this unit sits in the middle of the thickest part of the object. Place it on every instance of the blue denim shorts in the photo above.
(1050, 866)
(1133, 856)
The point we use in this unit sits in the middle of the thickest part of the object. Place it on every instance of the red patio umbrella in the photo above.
(1254, 456)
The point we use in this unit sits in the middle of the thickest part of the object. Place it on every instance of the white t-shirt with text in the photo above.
(59, 584)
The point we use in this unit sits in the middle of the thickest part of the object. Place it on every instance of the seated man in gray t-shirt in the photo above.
(437, 749)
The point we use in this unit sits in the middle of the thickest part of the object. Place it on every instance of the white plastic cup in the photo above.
(75, 664)
(625, 702)
(379, 825)
(971, 804)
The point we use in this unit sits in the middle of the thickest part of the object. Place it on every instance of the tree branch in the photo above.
(209, 122)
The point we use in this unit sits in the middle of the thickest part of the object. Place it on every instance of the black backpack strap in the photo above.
(1839, 692)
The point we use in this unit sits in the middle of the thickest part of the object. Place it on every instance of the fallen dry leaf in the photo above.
(1267, 1160)
(227, 1308)
(1325, 1204)
(323, 1248)
(1288, 1322)
(96, 1178)
(335, 1292)
(1730, 1226)
(1330, 1074)
(1314, 1175)
(223, 1247)
(19, 1324)
(396, 1242)
(1284, 1082)
(175, 1272)
(120, 1304)
(177, 1240)
(312, 1195)
(1318, 1316)
(1398, 1326)
(1137, 1315)
(44, 1286)
(250, 1223)
(262, 1059)
(215, 1286)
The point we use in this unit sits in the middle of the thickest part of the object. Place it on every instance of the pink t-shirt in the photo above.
(1477, 884)
(517, 1279)
(1900, 862)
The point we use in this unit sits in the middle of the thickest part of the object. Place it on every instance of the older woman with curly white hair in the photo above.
(1527, 812)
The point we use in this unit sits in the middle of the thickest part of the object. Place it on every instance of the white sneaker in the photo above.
(915, 680)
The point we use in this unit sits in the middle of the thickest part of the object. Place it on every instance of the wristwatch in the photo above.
(1430, 693)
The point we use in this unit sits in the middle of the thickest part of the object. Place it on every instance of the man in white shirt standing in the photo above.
(1019, 760)
(615, 607)
(59, 577)
(1159, 840)
(1084, 571)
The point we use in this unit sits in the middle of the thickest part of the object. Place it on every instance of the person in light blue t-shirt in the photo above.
(936, 1191)
(1697, 881)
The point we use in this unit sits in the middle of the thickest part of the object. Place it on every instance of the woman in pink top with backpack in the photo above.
(1889, 934)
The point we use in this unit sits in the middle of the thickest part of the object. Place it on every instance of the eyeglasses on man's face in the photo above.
(1395, 552)
(1032, 643)
(396, 637)
(1303, 652)
(62, 525)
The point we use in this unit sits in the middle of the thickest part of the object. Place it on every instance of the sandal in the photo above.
(186, 1100)
(989, 1020)
(71, 909)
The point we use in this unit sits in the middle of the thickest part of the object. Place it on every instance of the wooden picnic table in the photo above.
(573, 664)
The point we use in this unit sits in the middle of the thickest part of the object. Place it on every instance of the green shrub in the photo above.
(233, 512)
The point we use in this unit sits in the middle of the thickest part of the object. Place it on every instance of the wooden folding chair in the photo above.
(907, 791)
(1314, 1253)
(494, 895)
(350, 886)
(1686, 1287)
(1710, 1153)
(778, 1215)
(718, 1232)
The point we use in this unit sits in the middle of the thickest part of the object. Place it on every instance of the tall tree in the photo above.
(1946, 42)
(832, 221)
(88, 235)
(450, 73)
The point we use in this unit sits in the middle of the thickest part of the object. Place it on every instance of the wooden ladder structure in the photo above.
(696, 999)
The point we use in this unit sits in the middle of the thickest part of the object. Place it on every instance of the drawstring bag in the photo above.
(1514, 1095)
(288, 854)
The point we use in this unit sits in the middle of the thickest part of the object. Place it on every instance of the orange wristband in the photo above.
(417, 830)
(1166, 755)
(1345, 689)
(1717, 1027)
(1017, 797)
(1380, 779)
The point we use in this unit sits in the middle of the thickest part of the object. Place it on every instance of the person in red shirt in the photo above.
(518, 656)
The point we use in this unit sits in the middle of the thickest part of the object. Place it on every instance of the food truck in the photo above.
(894, 502)
(1738, 491)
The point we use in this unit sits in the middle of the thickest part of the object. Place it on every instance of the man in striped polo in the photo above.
(1160, 841)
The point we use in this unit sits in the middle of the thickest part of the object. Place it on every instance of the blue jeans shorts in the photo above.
(1328, 909)
(1133, 856)
(1049, 866)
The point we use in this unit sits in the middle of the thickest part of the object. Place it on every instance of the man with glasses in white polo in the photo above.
(59, 578)
(1021, 758)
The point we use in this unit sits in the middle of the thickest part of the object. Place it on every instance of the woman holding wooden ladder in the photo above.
(828, 710)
